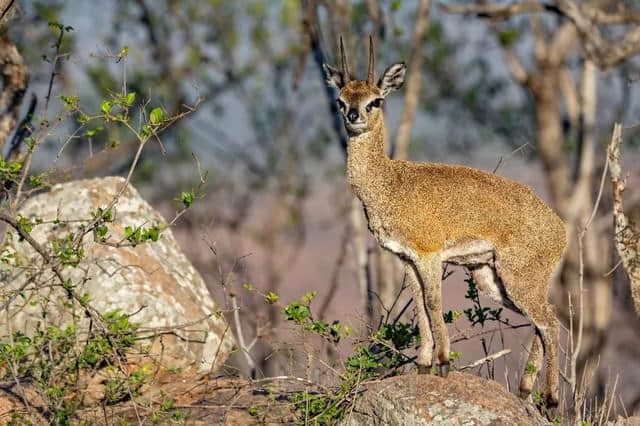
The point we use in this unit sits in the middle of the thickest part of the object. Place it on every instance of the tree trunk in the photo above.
(575, 203)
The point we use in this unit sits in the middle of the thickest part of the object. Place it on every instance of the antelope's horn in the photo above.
(345, 63)
(371, 72)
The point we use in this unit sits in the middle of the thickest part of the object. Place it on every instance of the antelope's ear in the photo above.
(392, 79)
(333, 77)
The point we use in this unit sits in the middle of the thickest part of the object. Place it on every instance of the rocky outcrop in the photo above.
(153, 282)
(460, 399)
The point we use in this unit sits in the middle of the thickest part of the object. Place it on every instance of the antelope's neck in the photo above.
(368, 164)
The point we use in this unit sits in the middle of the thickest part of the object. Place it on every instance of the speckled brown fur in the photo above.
(429, 213)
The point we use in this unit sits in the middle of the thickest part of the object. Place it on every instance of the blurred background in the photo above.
(521, 93)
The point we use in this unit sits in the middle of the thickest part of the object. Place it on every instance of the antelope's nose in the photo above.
(352, 115)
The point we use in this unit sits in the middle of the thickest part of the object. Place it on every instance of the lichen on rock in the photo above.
(460, 399)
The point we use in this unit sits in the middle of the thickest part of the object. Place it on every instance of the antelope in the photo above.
(429, 213)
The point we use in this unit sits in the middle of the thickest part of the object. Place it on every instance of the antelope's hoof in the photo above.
(443, 370)
(524, 393)
(551, 402)
(424, 369)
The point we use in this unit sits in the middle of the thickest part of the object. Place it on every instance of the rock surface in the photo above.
(460, 399)
(152, 281)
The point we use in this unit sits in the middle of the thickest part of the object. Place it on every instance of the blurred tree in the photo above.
(14, 77)
(563, 53)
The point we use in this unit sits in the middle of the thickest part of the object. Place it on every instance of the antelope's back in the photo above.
(439, 202)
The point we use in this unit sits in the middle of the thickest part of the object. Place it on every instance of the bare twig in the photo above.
(240, 335)
(486, 359)
(578, 344)
(54, 65)
(511, 154)
(467, 334)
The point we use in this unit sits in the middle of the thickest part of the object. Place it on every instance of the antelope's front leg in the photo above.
(425, 353)
(430, 270)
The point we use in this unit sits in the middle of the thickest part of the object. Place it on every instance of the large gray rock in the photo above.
(460, 399)
(153, 281)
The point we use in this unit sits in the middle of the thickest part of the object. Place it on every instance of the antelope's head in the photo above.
(360, 101)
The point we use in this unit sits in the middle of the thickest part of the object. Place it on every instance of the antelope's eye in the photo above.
(341, 105)
(376, 103)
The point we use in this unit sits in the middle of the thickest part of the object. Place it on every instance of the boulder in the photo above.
(629, 421)
(460, 399)
(152, 282)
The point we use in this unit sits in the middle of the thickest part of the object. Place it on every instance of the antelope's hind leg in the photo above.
(532, 367)
(545, 340)
(490, 284)
(549, 330)
(425, 353)
(544, 345)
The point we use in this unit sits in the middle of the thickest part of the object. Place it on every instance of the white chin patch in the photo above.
(356, 128)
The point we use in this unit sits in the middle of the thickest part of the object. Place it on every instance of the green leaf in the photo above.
(508, 37)
(530, 369)
(346, 330)
(24, 224)
(334, 329)
(106, 107)
(101, 231)
(454, 355)
(146, 131)
(70, 102)
(153, 234)
(248, 286)
(297, 312)
(157, 115)
(35, 181)
(308, 297)
(271, 298)
(131, 97)
(187, 198)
